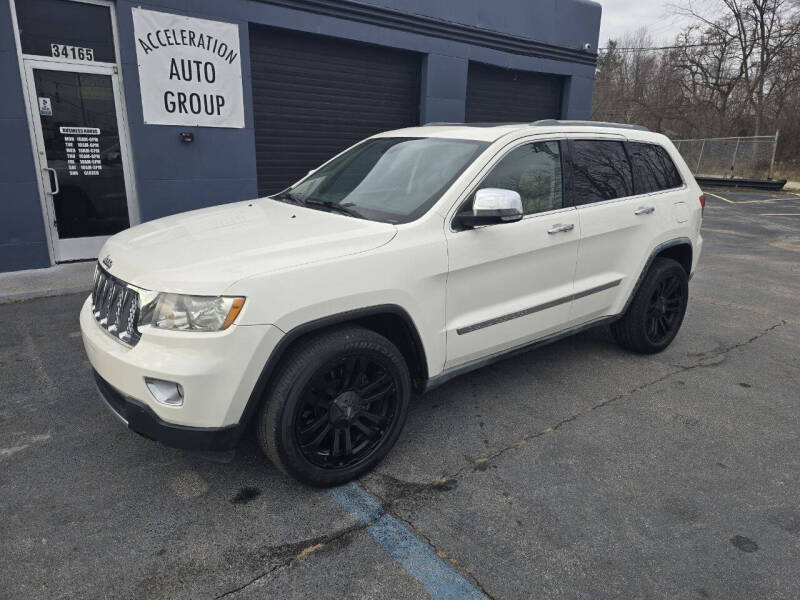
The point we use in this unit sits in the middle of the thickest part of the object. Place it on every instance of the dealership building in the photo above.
(115, 113)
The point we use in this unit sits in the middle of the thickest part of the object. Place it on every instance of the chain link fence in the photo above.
(730, 158)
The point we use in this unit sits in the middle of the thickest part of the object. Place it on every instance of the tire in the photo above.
(655, 315)
(346, 390)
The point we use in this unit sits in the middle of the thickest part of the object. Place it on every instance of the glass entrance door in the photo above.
(82, 155)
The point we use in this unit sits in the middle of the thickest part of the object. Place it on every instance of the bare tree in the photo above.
(733, 70)
(760, 31)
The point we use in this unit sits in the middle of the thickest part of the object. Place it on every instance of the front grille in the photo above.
(115, 306)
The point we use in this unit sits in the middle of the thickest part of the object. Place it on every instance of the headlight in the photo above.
(191, 313)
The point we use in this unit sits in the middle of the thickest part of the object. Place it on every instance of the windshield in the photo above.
(386, 179)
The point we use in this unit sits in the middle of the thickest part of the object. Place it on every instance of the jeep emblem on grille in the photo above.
(108, 262)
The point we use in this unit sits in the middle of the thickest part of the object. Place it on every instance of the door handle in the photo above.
(644, 210)
(561, 228)
(54, 180)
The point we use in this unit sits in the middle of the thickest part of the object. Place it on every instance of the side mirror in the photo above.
(492, 206)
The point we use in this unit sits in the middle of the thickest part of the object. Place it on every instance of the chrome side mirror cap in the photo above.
(491, 206)
(505, 205)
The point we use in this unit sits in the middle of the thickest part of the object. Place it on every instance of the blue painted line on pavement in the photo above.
(440, 580)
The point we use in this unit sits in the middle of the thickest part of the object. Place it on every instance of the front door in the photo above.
(509, 284)
(82, 153)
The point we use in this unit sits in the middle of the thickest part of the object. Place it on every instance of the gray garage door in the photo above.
(496, 95)
(313, 96)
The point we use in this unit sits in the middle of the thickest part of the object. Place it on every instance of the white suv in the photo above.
(410, 258)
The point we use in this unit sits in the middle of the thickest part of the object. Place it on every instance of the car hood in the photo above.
(205, 251)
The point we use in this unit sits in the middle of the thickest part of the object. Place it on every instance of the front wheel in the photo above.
(336, 407)
(655, 315)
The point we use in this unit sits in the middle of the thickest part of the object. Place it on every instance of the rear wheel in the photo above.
(655, 315)
(337, 406)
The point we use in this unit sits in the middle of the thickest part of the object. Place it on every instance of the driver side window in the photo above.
(534, 172)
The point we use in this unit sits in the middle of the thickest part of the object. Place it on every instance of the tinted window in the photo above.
(600, 171)
(534, 171)
(54, 27)
(653, 169)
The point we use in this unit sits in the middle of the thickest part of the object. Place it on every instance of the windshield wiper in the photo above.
(344, 209)
(329, 205)
(288, 197)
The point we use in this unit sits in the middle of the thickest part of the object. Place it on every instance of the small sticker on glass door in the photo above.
(45, 108)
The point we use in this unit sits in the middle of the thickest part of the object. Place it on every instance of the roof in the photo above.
(490, 132)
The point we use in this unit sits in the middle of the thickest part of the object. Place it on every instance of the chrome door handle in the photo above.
(561, 228)
(644, 210)
(55, 180)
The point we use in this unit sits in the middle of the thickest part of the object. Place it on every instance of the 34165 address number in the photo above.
(73, 52)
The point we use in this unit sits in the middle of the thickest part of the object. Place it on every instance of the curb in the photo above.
(23, 296)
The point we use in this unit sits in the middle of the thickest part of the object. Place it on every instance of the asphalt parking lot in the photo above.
(574, 471)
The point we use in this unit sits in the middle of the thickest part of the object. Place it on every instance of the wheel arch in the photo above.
(678, 249)
(389, 320)
(680, 252)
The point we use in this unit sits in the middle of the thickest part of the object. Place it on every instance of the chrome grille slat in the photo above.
(115, 306)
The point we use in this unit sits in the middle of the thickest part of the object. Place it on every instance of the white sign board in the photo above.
(190, 70)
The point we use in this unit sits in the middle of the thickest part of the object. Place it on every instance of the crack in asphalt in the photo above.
(304, 548)
(411, 490)
(441, 554)
(480, 464)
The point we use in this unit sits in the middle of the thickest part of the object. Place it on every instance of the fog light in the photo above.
(168, 393)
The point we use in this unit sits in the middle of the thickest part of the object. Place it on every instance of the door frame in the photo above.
(34, 124)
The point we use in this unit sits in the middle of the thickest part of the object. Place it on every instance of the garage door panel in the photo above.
(335, 62)
(508, 95)
(314, 96)
(310, 98)
(297, 73)
(331, 112)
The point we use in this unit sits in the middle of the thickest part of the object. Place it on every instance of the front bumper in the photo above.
(218, 372)
(141, 419)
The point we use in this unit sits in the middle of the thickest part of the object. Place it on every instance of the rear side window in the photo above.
(600, 171)
(534, 171)
(653, 169)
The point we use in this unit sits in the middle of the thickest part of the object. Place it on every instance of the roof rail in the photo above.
(439, 123)
(557, 123)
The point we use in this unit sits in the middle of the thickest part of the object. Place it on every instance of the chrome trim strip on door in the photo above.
(537, 308)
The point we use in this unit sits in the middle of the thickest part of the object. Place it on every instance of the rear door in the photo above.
(618, 223)
(512, 283)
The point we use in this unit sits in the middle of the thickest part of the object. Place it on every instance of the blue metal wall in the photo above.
(23, 244)
(219, 166)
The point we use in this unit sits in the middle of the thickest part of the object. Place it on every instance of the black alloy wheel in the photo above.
(664, 313)
(345, 412)
(656, 311)
(336, 405)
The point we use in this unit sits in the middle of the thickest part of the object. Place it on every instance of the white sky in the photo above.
(626, 16)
